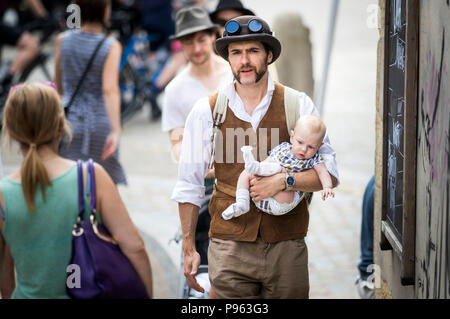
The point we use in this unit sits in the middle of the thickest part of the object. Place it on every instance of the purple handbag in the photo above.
(105, 271)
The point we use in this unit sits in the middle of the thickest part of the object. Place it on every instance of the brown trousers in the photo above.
(239, 270)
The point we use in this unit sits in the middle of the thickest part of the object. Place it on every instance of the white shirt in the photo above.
(180, 96)
(198, 130)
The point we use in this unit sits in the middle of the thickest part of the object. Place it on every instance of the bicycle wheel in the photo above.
(129, 92)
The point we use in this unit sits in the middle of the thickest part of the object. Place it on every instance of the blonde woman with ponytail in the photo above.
(39, 202)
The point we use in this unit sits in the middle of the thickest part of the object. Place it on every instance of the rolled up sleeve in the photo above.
(195, 155)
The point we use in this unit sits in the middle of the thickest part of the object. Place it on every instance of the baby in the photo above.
(299, 155)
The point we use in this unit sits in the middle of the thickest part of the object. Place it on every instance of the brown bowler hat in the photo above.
(244, 34)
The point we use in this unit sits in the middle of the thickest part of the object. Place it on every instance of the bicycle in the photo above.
(43, 61)
(137, 69)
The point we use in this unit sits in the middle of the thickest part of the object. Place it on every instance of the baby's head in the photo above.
(307, 136)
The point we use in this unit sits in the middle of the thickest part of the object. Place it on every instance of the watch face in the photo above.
(290, 181)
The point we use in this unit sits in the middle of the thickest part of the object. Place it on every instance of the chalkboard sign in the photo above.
(396, 45)
(400, 91)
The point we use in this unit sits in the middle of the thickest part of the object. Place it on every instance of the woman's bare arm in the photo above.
(116, 218)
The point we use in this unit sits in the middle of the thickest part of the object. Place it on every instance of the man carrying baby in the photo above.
(247, 254)
(298, 155)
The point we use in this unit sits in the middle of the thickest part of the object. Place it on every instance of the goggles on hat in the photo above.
(233, 27)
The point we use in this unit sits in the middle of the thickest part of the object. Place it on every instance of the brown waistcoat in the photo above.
(228, 166)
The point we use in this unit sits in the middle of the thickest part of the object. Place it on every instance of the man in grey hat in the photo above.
(255, 255)
(202, 76)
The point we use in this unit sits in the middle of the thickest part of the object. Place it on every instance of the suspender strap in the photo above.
(219, 115)
(291, 108)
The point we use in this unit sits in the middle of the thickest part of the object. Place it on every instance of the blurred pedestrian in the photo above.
(157, 18)
(255, 255)
(227, 10)
(27, 45)
(364, 286)
(91, 95)
(39, 202)
(203, 75)
(160, 17)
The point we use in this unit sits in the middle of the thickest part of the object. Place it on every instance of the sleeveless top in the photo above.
(87, 114)
(41, 242)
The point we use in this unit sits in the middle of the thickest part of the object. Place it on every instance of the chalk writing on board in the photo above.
(396, 46)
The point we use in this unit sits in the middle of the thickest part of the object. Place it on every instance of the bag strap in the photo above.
(291, 108)
(83, 76)
(80, 190)
(2, 213)
(219, 115)
(91, 172)
(91, 186)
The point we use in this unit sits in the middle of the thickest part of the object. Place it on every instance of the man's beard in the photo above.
(206, 58)
(258, 77)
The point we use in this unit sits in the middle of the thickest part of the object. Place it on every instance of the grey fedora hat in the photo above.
(191, 20)
(265, 36)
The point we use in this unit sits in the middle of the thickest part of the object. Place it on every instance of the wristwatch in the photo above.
(289, 181)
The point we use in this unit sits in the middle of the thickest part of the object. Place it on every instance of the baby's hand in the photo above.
(327, 192)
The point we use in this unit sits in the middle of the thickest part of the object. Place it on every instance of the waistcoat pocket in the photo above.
(235, 226)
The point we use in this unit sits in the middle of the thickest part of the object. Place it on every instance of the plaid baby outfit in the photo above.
(282, 155)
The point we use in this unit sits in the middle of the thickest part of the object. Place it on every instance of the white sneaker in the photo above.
(365, 289)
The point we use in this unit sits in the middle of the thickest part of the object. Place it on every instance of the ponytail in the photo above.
(33, 116)
(33, 172)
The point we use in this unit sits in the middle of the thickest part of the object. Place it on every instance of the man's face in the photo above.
(248, 61)
(198, 47)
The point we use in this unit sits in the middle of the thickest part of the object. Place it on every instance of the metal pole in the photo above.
(330, 39)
